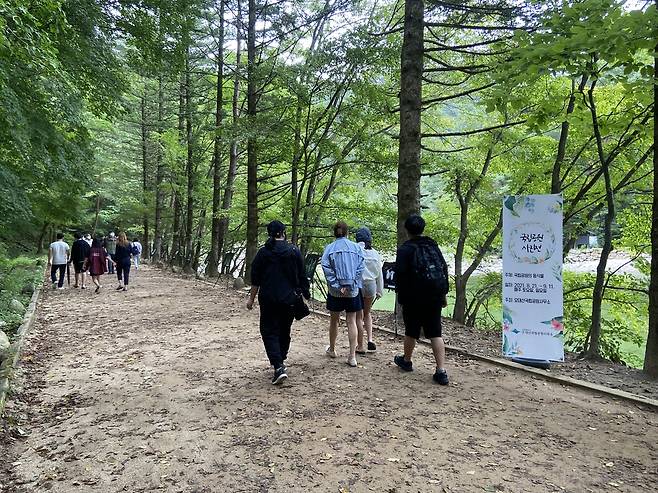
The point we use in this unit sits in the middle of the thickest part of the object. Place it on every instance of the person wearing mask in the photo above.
(79, 253)
(342, 263)
(137, 252)
(88, 239)
(58, 257)
(96, 262)
(111, 247)
(372, 287)
(421, 282)
(277, 277)
(122, 255)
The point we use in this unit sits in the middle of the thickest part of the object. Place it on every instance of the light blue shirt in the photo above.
(342, 263)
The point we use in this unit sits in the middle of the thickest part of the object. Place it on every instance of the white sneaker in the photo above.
(331, 352)
(60, 289)
(351, 362)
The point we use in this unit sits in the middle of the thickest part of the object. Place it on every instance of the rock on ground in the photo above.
(167, 388)
(4, 342)
(16, 307)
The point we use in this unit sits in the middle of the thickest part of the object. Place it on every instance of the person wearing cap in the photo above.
(277, 277)
(372, 287)
(342, 263)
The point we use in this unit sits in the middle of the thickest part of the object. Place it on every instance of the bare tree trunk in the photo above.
(145, 174)
(42, 237)
(227, 199)
(593, 349)
(252, 158)
(294, 175)
(175, 253)
(215, 248)
(98, 211)
(159, 178)
(651, 354)
(556, 184)
(410, 109)
(189, 167)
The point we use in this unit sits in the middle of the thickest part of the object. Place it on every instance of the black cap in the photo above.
(275, 228)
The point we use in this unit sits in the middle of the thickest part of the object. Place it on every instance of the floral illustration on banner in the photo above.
(557, 324)
(511, 348)
(557, 272)
(516, 204)
(532, 243)
(556, 207)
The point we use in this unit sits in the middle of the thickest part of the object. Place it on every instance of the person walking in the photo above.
(110, 245)
(137, 252)
(122, 254)
(372, 288)
(58, 257)
(88, 239)
(342, 263)
(79, 253)
(277, 277)
(421, 282)
(96, 262)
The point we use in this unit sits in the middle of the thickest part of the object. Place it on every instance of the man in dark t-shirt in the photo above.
(421, 307)
(79, 252)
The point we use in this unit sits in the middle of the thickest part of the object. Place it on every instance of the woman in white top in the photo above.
(373, 286)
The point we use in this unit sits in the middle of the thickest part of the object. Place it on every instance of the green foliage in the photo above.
(16, 272)
(623, 319)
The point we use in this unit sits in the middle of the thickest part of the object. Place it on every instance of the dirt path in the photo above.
(166, 388)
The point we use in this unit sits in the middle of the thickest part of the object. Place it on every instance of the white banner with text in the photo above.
(532, 277)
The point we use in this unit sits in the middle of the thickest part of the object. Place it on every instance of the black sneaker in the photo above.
(405, 365)
(441, 377)
(372, 346)
(279, 376)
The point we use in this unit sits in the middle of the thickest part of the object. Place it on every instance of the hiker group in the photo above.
(97, 256)
(353, 272)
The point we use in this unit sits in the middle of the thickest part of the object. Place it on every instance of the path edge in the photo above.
(572, 382)
(594, 388)
(10, 364)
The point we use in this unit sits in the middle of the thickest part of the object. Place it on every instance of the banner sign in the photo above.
(388, 269)
(532, 277)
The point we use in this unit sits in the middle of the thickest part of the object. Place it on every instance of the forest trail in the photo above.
(167, 388)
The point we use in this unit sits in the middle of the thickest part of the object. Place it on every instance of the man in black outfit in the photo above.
(421, 301)
(79, 252)
(277, 277)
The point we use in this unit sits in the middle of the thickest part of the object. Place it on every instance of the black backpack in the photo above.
(429, 268)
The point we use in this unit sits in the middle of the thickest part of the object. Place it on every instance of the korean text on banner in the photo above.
(532, 277)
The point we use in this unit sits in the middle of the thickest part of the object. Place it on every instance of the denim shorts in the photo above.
(344, 304)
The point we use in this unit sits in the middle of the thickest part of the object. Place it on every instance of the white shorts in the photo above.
(369, 289)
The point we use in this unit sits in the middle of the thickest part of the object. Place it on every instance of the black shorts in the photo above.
(343, 304)
(427, 317)
(79, 267)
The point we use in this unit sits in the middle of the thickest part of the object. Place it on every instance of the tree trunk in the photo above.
(189, 166)
(42, 237)
(295, 195)
(98, 211)
(651, 354)
(593, 349)
(175, 253)
(159, 178)
(252, 160)
(410, 108)
(145, 174)
(227, 199)
(215, 248)
(556, 183)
